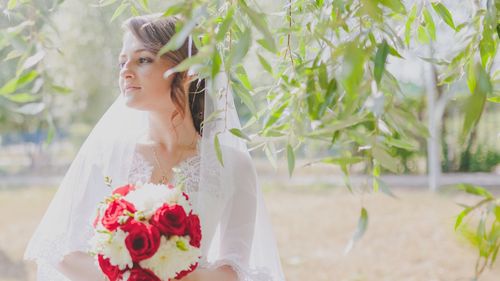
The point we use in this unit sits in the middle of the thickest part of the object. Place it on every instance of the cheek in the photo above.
(160, 85)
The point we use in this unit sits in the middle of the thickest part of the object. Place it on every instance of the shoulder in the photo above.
(239, 168)
(236, 158)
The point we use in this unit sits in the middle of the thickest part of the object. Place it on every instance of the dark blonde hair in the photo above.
(154, 32)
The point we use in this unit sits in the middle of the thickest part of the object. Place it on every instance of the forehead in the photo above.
(131, 45)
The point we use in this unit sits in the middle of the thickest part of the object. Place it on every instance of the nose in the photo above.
(126, 72)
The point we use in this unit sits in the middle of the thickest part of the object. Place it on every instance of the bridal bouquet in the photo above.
(146, 232)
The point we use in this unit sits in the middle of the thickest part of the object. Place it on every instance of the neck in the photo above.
(175, 135)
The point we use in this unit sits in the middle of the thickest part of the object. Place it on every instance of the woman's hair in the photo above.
(154, 32)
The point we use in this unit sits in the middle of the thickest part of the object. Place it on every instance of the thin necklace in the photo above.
(164, 177)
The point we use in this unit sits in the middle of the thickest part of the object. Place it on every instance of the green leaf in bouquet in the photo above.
(181, 245)
(108, 180)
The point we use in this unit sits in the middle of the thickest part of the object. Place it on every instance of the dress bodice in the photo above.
(187, 171)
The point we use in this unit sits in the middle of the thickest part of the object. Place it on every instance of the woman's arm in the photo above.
(80, 266)
(223, 273)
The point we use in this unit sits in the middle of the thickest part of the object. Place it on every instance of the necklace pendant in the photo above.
(163, 180)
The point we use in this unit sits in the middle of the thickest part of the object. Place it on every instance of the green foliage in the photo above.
(25, 86)
(486, 236)
(480, 160)
(325, 63)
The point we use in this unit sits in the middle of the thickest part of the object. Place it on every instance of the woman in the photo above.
(156, 124)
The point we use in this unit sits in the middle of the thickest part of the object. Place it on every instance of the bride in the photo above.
(163, 130)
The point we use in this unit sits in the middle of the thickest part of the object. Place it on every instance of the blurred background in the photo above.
(410, 235)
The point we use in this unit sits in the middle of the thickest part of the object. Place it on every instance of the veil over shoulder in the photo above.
(235, 224)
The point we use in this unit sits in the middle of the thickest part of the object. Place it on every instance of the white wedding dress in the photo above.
(140, 171)
(235, 224)
(189, 170)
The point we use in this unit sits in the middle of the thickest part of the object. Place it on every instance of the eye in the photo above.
(145, 60)
(121, 64)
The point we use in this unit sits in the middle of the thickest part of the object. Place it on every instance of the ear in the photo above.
(191, 75)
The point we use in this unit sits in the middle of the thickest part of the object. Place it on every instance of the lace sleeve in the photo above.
(237, 227)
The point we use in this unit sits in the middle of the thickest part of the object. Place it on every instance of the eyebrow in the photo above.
(136, 51)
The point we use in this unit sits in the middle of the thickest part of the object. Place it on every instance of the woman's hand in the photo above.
(80, 266)
(223, 273)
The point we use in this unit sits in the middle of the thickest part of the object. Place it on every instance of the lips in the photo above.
(132, 88)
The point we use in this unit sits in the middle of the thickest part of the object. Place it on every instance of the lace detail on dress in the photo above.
(140, 170)
(187, 171)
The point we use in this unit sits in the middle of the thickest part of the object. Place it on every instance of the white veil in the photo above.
(235, 224)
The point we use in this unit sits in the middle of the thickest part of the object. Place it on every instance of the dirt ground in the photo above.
(408, 239)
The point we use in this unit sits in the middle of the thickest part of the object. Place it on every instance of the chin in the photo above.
(133, 102)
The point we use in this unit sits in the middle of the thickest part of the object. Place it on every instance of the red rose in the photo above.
(183, 273)
(124, 190)
(111, 271)
(193, 229)
(141, 274)
(142, 240)
(170, 220)
(115, 210)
